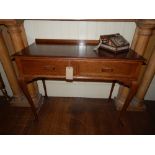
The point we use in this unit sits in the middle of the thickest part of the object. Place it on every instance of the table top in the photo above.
(73, 49)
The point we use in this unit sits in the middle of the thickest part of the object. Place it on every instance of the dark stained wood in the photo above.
(96, 20)
(73, 49)
(111, 91)
(25, 91)
(66, 41)
(44, 86)
(133, 90)
(50, 61)
(74, 116)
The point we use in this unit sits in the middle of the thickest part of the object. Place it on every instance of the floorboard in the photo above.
(76, 116)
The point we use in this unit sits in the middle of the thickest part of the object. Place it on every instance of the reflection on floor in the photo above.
(74, 116)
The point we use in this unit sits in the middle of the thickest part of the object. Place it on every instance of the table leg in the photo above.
(132, 92)
(23, 86)
(44, 85)
(8, 98)
(111, 91)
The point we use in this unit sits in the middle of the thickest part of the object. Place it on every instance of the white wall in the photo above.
(76, 29)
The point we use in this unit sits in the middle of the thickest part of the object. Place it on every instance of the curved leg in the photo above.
(23, 86)
(132, 92)
(44, 85)
(111, 91)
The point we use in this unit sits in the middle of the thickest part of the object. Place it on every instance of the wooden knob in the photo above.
(49, 68)
(107, 70)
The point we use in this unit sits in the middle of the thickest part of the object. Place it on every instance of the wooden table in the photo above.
(48, 59)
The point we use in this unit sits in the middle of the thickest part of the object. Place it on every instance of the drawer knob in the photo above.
(107, 70)
(53, 68)
(49, 68)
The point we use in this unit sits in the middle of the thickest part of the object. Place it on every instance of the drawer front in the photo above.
(82, 69)
(101, 69)
(49, 67)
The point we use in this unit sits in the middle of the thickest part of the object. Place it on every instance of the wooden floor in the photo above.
(61, 116)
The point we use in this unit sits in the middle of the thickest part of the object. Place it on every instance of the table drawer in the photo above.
(99, 69)
(53, 67)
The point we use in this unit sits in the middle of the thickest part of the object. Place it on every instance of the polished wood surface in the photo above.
(44, 60)
(75, 116)
(73, 49)
(66, 41)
